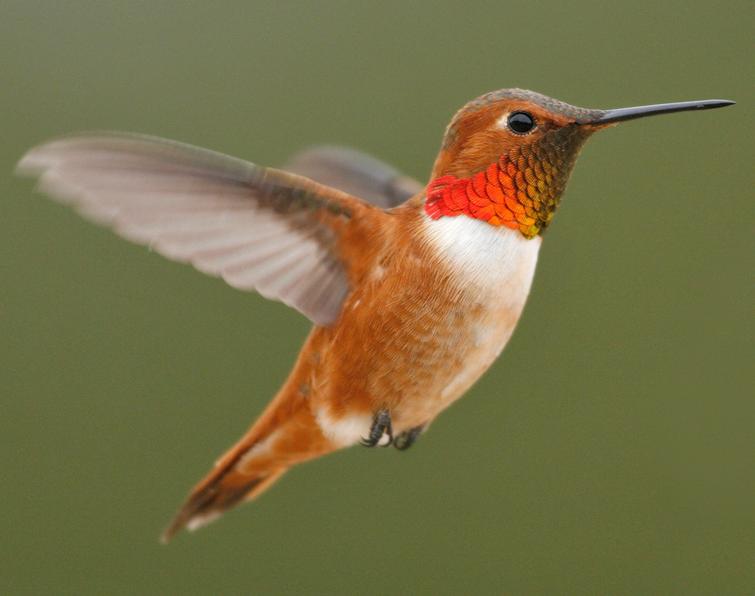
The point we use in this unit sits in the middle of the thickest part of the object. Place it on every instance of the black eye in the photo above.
(521, 122)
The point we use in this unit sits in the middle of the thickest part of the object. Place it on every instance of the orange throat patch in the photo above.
(516, 193)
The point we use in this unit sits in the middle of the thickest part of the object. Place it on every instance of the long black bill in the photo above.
(621, 114)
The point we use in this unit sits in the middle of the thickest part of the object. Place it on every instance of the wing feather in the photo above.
(257, 228)
(356, 173)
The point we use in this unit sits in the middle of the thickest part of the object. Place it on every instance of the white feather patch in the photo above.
(199, 521)
(261, 448)
(493, 258)
(345, 431)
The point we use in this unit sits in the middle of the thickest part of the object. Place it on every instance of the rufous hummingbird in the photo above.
(413, 290)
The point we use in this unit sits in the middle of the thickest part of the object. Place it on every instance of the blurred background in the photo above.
(609, 451)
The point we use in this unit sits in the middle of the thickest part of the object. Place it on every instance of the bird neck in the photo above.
(513, 191)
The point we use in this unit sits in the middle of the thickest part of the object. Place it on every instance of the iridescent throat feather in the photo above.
(520, 191)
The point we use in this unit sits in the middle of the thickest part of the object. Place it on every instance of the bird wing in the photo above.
(356, 173)
(258, 228)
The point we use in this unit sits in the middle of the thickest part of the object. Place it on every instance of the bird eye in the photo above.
(521, 123)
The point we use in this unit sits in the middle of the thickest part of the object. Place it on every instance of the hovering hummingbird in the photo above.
(413, 290)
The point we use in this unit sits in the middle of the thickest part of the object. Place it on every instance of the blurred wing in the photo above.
(356, 173)
(257, 228)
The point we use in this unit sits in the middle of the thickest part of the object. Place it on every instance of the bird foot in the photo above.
(407, 438)
(381, 427)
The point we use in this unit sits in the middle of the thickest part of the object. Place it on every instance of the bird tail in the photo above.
(286, 434)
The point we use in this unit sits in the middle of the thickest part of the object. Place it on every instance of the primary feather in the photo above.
(258, 228)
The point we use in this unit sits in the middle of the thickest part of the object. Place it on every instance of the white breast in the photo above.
(494, 267)
(488, 259)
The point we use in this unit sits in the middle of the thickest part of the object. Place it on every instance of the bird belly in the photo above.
(455, 368)
(492, 271)
(414, 340)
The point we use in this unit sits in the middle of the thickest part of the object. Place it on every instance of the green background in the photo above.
(607, 452)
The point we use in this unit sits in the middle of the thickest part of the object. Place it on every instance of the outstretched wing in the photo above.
(258, 228)
(356, 173)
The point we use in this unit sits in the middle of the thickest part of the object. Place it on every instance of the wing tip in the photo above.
(40, 158)
(31, 164)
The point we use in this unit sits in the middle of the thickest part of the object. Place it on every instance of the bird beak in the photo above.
(621, 114)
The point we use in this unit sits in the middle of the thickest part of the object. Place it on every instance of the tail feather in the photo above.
(285, 435)
(205, 505)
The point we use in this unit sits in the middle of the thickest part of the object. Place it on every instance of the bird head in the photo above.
(506, 156)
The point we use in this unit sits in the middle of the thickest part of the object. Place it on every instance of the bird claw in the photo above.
(407, 438)
(381, 425)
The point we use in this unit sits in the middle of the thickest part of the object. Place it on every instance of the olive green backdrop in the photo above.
(607, 452)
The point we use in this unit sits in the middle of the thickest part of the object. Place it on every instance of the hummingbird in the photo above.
(413, 289)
